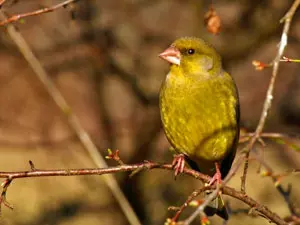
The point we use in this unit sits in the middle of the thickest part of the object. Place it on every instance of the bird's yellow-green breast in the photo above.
(199, 105)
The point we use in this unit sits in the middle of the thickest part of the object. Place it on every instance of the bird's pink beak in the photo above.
(171, 55)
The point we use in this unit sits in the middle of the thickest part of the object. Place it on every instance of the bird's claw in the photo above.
(178, 164)
(217, 176)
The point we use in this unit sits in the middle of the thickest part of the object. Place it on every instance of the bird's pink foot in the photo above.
(217, 177)
(178, 164)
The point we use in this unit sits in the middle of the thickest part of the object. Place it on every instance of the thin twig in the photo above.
(5, 186)
(245, 137)
(286, 194)
(269, 96)
(186, 203)
(200, 209)
(271, 216)
(2, 2)
(73, 121)
(17, 17)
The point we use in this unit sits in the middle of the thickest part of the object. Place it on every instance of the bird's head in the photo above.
(192, 55)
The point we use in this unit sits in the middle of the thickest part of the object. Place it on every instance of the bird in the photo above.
(200, 113)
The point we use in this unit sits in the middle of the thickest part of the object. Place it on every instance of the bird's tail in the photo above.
(218, 207)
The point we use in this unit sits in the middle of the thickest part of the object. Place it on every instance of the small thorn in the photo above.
(32, 167)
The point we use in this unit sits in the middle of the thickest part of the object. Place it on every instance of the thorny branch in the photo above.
(10, 176)
(269, 96)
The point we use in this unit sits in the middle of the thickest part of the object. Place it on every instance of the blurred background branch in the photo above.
(73, 121)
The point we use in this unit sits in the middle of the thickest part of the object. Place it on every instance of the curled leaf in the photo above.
(212, 21)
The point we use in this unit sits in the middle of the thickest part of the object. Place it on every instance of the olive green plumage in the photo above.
(199, 107)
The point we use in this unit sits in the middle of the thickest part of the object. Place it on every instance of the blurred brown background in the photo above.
(103, 57)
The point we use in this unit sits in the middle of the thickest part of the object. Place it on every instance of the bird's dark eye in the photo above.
(191, 51)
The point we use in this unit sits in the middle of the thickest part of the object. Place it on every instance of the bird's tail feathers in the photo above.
(218, 207)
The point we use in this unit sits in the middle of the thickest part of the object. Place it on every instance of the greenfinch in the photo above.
(199, 108)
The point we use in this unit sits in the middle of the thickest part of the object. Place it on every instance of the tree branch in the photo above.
(269, 96)
(17, 17)
(271, 216)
